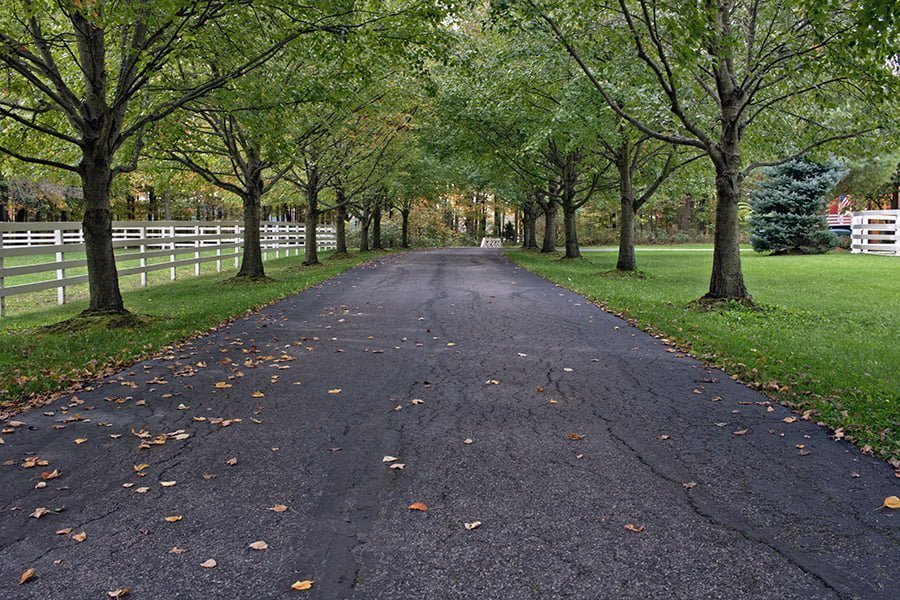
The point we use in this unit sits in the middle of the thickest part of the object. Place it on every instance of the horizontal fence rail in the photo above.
(876, 232)
(185, 243)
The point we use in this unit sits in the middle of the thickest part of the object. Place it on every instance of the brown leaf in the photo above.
(80, 441)
(398, 466)
(257, 395)
(634, 528)
(209, 564)
(417, 401)
(740, 432)
(335, 391)
(231, 461)
(279, 508)
(141, 490)
(260, 545)
(79, 537)
(689, 485)
(388, 459)
(173, 518)
(468, 441)
(119, 593)
(39, 512)
(177, 550)
(575, 436)
(46, 475)
(472, 525)
(891, 502)
(789, 419)
(27, 575)
(301, 586)
(492, 382)
(141, 467)
(65, 531)
(663, 437)
(420, 506)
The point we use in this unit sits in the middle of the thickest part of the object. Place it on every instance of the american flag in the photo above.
(843, 204)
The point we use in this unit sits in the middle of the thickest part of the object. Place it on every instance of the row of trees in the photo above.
(363, 106)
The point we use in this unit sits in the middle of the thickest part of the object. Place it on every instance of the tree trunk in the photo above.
(167, 204)
(364, 221)
(251, 262)
(627, 260)
(340, 225)
(549, 244)
(570, 223)
(310, 241)
(727, 280)
(103, 278)
(687, 213)
(404, 231)
(376, 228)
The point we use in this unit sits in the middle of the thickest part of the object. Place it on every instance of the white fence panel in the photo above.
(876, 232)
(182, 242)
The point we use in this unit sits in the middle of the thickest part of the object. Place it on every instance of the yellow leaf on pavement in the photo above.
(301, 586)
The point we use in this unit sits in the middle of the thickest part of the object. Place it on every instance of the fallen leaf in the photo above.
(119, 593)
(335, 391)
(209, 564)
(740, 432)
(521, 354)
(173, 518)
(222, 385)
(231, 461)
(257, 395)
(79, 537)
(468, 441)
(789, 419)
(634, 528)
(663, 437)
(65, 531)
(398, 466)
(552, 401)
(568, 369)
(46, 475)
(301, 586)
(141, 467)
(80, 441)
(492, 382)
(417, 401)
(27, 575)
(39, 512)
(177, 550)
(279, 508)
(167, 483)
(689, 485)
(418, 506)
(472, 525)
(891, 502)
(575, 436)
(260, 545)
(388, 459)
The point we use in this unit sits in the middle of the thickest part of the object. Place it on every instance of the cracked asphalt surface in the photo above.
(763, 520)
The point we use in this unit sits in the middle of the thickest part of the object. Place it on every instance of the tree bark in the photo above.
(103, 278)
(549, 244)
(404, 232)
(251, 262)
(627, 260)
(570, 227)
(727, 280)
(376, 228)
(340, 225)
(310, 243)
(364, 221)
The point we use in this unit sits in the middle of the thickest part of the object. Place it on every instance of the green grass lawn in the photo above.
(827, 329)
(36, 360)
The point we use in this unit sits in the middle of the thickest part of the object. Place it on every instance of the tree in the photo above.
(777, 78)
(788, 208)
(87, 79)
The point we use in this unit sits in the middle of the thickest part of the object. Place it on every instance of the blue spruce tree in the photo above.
(788, 208)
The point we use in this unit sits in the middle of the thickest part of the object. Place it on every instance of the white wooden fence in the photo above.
(183, 242)
(876, 232)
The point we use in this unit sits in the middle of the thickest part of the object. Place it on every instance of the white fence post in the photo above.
(237, 240)
(143, 262)
(60, 273)
(2, 298)
(172, 256)
(218, 248)
(197, 251)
